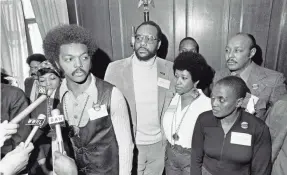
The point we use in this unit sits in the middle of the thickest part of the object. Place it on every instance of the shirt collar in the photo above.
(247, 71)
(91, 90)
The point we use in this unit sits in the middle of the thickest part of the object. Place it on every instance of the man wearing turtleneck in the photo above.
(147, 83)
(265, 84)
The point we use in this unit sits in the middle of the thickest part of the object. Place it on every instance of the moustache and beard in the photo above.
(148, 56)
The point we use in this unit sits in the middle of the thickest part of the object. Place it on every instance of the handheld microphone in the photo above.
(37, 123)
(57, 119)
(31, 107)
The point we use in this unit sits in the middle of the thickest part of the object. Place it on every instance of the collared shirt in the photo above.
(245, 149)
(75, 106)
(174, 115)
(244, 75)
(146, 98)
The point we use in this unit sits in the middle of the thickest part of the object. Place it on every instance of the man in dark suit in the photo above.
(31, 83)
(266, 85)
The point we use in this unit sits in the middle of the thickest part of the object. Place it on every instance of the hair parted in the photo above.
(197, 66)
(66, 34)
(237, 84)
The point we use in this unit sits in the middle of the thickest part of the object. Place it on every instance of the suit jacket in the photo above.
(120, 73)
(266, 84)
(28, 86)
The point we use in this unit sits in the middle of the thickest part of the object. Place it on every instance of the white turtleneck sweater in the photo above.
(146, 97)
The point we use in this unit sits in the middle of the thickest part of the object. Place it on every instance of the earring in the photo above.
(195, 93)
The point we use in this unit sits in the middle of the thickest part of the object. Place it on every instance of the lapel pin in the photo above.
(255, 86)
(244, 125)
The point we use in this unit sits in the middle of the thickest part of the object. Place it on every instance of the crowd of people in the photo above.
(148, 116)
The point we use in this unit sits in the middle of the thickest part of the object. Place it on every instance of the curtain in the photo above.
(50, 13)
(13, 40)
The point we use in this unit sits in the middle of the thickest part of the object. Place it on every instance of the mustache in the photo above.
(77, 70)
(231, 60)
(142, 48)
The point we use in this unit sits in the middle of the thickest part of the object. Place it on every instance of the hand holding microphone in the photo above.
(32, 106)
(64, 165)
(16, 160)
(6, 131)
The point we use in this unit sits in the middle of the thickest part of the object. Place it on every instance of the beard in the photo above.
(144, 58)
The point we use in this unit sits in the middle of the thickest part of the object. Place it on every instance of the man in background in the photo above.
(147, 83)
(188, 44)
(266, 85)
(31, 83)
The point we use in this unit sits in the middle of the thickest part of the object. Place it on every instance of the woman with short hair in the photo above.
(191, 72)
(227, 140)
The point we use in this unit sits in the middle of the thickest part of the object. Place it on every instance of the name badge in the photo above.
(163, 83)
(241, 138)
(251, 104)
(99, 112)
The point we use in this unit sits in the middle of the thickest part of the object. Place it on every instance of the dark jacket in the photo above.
(28, 84)
(13, 101)
(244, 150)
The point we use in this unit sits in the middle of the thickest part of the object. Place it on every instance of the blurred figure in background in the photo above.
(31, 83)
(188, 44)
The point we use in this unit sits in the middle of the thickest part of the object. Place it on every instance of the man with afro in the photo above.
(95, 111)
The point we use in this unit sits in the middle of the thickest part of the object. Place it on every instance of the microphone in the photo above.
(37, 123)
(56, 120)
(31, 107)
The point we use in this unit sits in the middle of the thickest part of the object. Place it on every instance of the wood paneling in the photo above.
(206, 25)
(276, 52)
(211, 23)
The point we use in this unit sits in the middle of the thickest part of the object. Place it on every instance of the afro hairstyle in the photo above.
(66, 34)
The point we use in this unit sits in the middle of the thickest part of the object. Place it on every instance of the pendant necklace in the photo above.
(175, 136)
(74, 130)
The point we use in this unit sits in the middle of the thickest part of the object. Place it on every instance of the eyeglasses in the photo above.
(147, 38)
